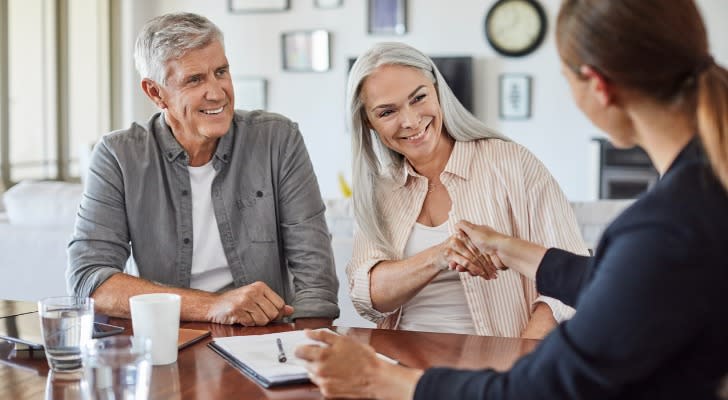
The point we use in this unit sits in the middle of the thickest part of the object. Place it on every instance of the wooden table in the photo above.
(201, 373)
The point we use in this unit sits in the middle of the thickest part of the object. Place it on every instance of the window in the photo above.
(55, 77)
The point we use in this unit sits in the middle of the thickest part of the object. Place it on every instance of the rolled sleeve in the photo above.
(100, 244)
(306, 239)
(365, 257)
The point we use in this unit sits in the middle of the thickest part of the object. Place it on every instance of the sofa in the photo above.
(37, 222)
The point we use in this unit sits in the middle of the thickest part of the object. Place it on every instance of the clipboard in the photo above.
(256, 356)
(252, 374)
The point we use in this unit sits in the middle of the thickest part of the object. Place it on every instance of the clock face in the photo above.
(515, 27)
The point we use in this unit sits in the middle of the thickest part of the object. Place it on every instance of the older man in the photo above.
(219, 206)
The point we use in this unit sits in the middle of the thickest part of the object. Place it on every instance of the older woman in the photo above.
(434, 164)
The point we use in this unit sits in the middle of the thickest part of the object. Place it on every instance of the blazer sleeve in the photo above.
(563, 275)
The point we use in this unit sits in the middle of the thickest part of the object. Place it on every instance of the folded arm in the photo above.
(252, 305)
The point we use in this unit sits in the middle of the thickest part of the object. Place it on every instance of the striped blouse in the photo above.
(490, 182)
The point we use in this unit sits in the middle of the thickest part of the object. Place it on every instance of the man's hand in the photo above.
(252, 305)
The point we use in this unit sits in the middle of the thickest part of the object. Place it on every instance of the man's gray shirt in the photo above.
(265, 197)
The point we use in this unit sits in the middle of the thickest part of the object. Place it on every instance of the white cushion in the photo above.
(594, 216)
(43, 203)
(340, 217)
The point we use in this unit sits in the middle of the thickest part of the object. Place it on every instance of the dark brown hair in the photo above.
(659, 49)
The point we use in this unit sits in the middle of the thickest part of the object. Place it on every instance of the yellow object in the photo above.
(344, 186)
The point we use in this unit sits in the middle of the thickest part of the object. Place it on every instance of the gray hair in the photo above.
(371, 167)
(168, 37)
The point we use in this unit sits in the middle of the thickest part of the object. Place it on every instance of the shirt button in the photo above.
(170, 154)
(225, 157)
(186, 241)
(259, 193)
(184, 193)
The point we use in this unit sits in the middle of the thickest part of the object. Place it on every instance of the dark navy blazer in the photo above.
(651, 320)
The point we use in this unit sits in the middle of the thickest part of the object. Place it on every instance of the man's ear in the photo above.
(599, 86)
(151, 89)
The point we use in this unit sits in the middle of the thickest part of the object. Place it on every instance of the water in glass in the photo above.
(66, 327)
(118, 368)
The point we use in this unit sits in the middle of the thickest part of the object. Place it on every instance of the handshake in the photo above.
(475, 249)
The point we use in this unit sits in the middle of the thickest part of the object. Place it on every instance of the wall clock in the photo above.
(515, 28)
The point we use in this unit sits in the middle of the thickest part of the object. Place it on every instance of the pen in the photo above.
(281, 353)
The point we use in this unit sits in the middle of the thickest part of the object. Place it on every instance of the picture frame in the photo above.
(257, 6)
(514, 96)
(251, 93)
(306, 51)
(387, 17)
(327, 3)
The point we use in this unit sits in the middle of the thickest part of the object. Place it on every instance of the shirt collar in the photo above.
(172, 149)
(458, 164)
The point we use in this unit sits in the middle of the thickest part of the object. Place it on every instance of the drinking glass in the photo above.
(65, 386)
(66, 325)
(118, 367)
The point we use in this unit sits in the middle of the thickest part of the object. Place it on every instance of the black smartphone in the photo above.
(103, 329)
(25, 329)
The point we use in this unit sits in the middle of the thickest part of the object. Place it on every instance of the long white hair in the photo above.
(372, 165)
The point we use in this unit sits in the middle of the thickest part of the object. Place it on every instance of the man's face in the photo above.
(198, 94)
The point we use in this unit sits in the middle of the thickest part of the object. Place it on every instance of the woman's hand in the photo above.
(459, 253)
(484, 238)
(503, 251)
(342, 367)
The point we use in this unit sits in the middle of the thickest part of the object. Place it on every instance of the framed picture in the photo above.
(254, 6)
(514, 93)
(327, 3)
(387, 17)
(250, 93)
(306, 51)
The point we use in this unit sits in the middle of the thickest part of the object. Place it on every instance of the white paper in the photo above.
(260, 353)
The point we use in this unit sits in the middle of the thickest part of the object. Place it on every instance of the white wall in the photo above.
(557, 133)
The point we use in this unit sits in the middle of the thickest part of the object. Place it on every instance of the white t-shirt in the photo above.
(210, 269)
(441, 305)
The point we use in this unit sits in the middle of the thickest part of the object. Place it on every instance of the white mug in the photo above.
(156, 316)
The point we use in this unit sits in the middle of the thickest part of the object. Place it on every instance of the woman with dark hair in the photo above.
(651, 320)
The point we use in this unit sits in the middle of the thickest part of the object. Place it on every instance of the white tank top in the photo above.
(441, 305)
(210, 270)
